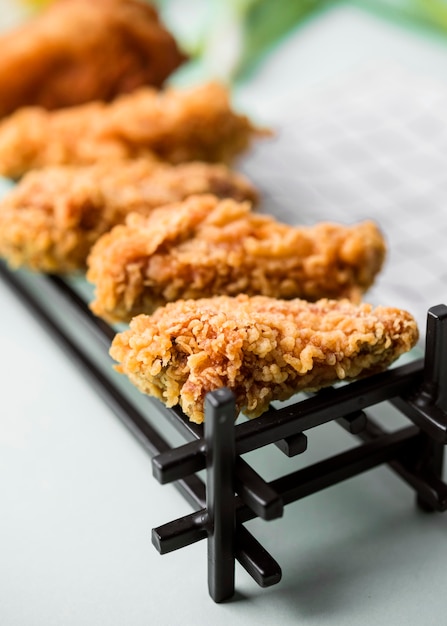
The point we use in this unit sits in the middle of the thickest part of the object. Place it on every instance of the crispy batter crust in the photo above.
(81, 50)
(261, 348)
(203, 247)
(176, 125)
(51, 219)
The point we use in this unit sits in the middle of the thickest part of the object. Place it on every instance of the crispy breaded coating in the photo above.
(261, 348)
(176, 125)
(204, 246)
(76, 51)
(53, 216)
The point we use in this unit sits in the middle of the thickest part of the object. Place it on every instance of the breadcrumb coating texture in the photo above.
(261, 348)
(204, 246)
(176, 125)
(53, 216)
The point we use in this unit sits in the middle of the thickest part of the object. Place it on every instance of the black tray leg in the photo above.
(431, 458)
(220, 415)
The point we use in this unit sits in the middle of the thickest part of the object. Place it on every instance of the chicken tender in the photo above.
(51, 219)
(261, 348)
(176, 125)
(81, 50)
(204, 246)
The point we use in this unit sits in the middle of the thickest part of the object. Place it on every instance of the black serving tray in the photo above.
(230, 492)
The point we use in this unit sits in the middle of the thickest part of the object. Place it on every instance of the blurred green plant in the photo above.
(432, 13)
(435, 11)
(267, 21)
(231, 36)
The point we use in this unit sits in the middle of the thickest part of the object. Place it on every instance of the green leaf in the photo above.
(267, 21)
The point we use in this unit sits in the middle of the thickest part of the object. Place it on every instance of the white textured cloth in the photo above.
(373, 146)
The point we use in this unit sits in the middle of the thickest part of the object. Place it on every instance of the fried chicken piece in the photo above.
(203, 247)
(176, 125)
(81, 50)
(51, 219)
(261, 348)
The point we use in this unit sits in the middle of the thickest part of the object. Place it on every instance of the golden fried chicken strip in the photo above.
(81, 50)
(176, 125)
(204, 246)
(53, 216)
(261, 348)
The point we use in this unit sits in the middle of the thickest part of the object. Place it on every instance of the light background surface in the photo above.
(77, 497)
